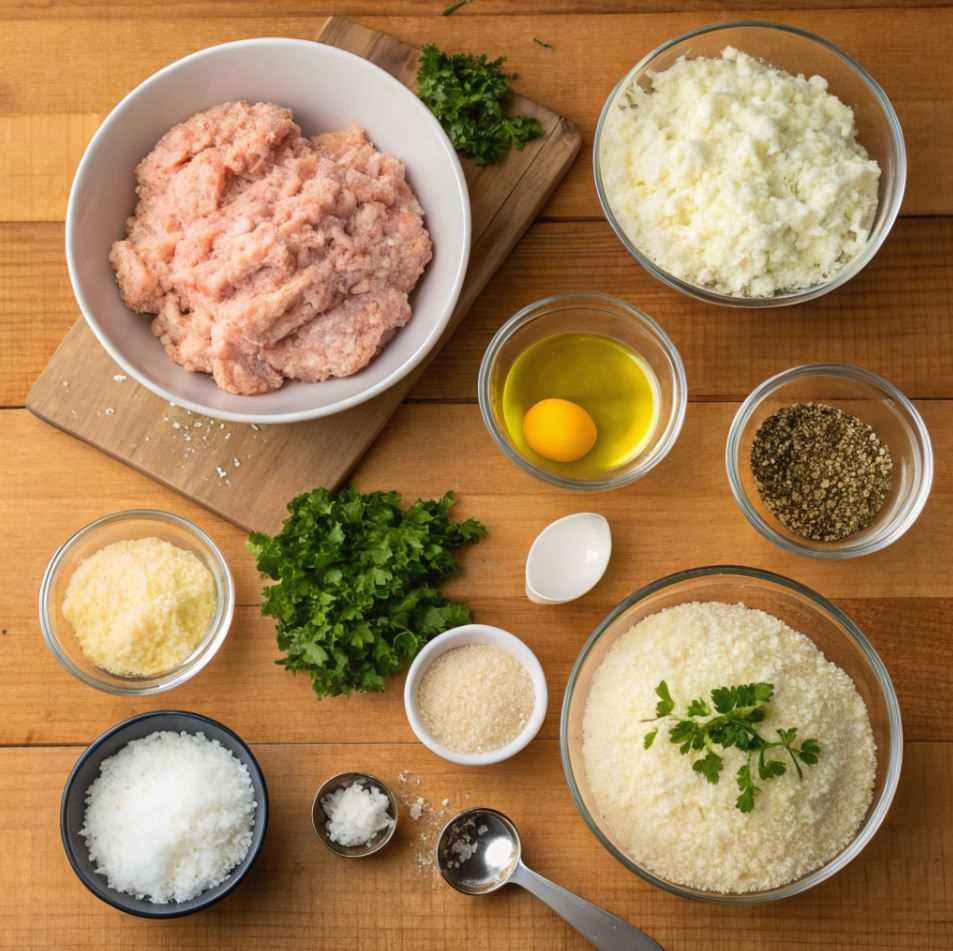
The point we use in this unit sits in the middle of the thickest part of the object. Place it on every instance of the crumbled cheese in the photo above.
(737, 176)
(356, 814)
(140, 607)
(475, 698)
(169, 816)
(668, 817)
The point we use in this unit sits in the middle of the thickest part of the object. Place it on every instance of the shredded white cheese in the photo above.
(140, 607)
(735, 175)
(169, 816)
(671, 819)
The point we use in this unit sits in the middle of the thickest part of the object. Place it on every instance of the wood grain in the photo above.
(900, 597)
(504, 200)
(298, 896)
(895, 318)
(246, 689)
(911, 62)
(680, 515)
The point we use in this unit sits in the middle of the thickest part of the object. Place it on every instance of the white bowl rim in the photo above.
(459, 637)
(533, 592)
(423, 351)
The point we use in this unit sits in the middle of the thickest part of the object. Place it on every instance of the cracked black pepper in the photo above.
(824, 473)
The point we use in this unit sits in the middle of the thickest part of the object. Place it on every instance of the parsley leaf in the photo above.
(454, 7)
(649, 738)
(809, 752)
(666, 704)
(709, 767)
(355, 596)
(745, 802)
(468, 94)
(698, 708)
(542, 43)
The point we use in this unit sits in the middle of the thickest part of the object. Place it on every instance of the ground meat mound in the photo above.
(266, 255)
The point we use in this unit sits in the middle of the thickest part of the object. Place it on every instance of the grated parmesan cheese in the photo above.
(140, 607)
(475, 698)
(169, 816)
(669, 818)
(735, 175)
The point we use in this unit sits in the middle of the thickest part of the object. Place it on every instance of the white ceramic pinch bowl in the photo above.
(568, 558)
(460, 637)
(327, 89)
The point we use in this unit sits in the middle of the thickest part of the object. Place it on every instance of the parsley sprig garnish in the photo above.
(731, 720)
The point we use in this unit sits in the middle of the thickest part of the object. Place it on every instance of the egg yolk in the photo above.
(559, 430)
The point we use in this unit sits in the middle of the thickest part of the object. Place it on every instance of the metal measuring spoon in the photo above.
(479, 851)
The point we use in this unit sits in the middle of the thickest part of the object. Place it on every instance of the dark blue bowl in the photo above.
(81, 777)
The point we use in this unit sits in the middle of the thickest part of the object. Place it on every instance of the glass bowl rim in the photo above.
(893, 530)
(221, 623)
(879, 807)
(841, 277)
(679, 396)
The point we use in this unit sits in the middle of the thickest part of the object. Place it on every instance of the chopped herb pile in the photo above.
(356, 595)
(469, 95)
(732, 720)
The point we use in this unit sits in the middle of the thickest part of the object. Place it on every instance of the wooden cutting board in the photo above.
(247, 474)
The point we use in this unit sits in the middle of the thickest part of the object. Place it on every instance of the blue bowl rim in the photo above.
(107, 892)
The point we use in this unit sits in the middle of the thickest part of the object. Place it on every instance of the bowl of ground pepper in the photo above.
(829, 460)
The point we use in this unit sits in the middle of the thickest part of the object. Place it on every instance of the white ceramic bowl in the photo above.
(460, 637)
(326, 88)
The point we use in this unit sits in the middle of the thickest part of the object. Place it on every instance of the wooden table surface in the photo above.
(62, 67)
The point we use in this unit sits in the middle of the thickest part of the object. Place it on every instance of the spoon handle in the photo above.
(602, 930)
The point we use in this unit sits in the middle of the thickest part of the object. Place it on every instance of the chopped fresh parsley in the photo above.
(468, 94)
(738, 710)
(356, 595)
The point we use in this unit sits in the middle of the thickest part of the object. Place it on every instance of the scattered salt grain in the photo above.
(220, 472)
(120, 377)
(109, 411)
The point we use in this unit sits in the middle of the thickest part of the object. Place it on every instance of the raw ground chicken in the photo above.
(668, 817)
(267, 255)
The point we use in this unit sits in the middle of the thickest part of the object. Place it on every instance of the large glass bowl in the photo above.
(869, 397)
(592, 313)
(123, 526)
(796, 51)
(834, 634)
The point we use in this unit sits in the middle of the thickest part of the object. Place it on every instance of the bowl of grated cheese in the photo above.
(729, 821)
(136, 602)
(750, 164)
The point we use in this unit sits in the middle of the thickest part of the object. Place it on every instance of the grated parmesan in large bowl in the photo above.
(664, 820)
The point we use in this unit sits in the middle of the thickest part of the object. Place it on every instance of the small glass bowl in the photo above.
(796, 51)
(879, 404)
(123, 526)
(593, 313)
(832, 632)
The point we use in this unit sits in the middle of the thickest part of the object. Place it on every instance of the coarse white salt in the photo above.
(169, 816)
(666, 816)
(356, 814)
(475, 698)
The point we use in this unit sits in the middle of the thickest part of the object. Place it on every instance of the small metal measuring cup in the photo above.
(479, 851)
(319, 818)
